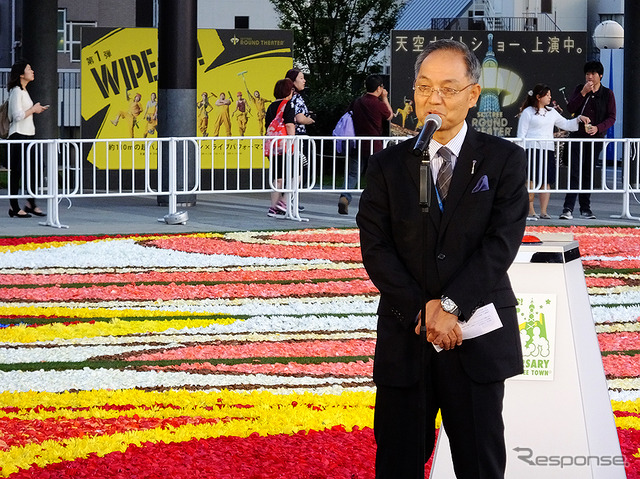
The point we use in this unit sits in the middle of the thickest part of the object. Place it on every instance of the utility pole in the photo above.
(39, 48)
(177, 54)
(631, 119)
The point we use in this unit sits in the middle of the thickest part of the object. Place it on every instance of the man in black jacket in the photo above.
(454, 259)
(597, 102)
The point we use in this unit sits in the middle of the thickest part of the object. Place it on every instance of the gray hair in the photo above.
(473, 64)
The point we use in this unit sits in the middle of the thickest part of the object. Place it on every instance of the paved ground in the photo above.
(239, 212)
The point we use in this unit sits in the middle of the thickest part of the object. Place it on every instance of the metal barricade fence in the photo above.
(173, 167)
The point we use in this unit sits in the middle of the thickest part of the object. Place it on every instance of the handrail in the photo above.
(171, 167)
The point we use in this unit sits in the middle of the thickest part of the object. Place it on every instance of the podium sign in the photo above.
(558, 417)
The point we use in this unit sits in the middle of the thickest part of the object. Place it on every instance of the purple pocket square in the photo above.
(481, 185)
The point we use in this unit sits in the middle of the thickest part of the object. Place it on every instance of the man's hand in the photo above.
(442, 327)
(587, 88)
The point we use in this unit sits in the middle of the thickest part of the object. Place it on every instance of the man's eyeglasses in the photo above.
(446, 92)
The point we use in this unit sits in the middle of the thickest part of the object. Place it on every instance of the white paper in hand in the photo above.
(483, 321)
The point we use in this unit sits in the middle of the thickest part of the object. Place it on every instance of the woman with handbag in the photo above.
(279, 121)
(21, 111)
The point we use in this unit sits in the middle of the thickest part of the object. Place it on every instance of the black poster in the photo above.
(512, 64)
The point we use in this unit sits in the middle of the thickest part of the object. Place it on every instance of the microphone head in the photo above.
(435, 118)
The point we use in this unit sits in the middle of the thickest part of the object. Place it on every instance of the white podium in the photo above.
(558, 417)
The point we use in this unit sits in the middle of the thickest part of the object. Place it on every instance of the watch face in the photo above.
(448, 305)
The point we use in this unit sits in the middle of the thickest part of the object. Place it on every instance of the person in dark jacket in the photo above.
(370, 111)
(595, 101)
(450, 260)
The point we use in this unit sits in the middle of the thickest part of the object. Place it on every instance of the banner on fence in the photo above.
(512, 64)
(236, 72)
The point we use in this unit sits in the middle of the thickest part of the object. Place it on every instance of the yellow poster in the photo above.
(236, 72)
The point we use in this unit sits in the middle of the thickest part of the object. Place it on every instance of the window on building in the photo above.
(242, 22)
(545, 6)
(616, 17)
(74, 38)
(69, 39)
(62, 21)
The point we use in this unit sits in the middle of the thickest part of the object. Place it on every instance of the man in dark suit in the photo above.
(455, 259)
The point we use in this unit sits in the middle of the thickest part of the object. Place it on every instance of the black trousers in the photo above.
(589, 162)
(16, 173)
(471, 414)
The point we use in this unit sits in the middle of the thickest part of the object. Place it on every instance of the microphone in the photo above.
(432, 123)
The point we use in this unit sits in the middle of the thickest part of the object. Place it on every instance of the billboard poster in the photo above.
(512, 64)
(236, 72)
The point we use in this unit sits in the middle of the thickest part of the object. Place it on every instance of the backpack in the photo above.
(344, 127)
(276, 128)
(4, 120)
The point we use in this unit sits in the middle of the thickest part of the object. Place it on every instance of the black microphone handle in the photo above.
(425, 181)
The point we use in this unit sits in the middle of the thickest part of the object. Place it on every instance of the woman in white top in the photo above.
(537, 121)
(21, 111)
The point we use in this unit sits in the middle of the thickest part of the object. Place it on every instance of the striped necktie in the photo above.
(444, 173)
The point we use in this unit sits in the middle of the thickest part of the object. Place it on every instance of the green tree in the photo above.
(339, 42)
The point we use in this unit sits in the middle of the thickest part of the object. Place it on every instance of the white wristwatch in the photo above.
(449, 306)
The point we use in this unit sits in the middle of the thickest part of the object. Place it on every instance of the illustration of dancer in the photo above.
(406, 111)
(131, 114)
(151, 115)
(204, 107)
(241, 113)
(222, 117)
(260, 106)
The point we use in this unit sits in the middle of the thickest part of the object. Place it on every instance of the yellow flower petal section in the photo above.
(58, 244)
(26, 334)
(178, 398)
(6, 310)
(35, 246)
(627, 406)
(268, 414)
(628, 422)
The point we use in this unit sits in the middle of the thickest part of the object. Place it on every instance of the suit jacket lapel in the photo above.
(464, 172)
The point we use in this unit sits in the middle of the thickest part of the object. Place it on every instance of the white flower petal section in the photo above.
(609, 258)
(289, 324)
(617, 314)
(627, 297)
(631, 395)
(236, 307)
(91, 379)
(126, 253)
(624, 383)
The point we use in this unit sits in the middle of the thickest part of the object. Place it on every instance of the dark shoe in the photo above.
(33, 211)
(587, 215)
(567, 214)
(13, 214)
(275, 213)
(343, 205)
